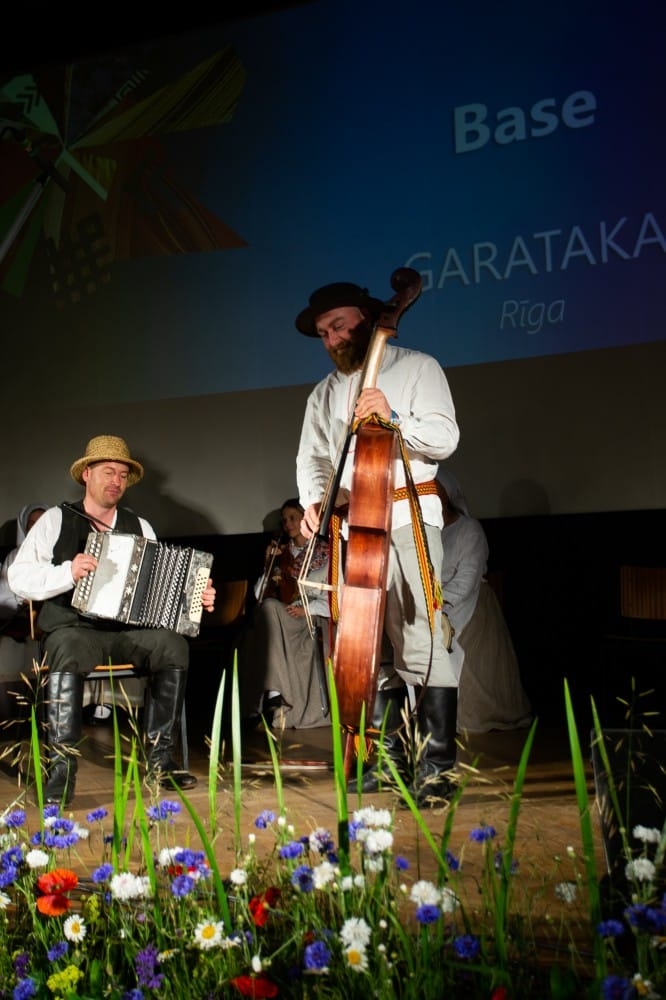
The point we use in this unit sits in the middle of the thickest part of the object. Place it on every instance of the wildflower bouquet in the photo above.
(311, 914)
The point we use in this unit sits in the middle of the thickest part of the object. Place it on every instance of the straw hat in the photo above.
(106, 448)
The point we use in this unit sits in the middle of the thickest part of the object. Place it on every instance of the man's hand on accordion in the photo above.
(208, 597)
(84, 563)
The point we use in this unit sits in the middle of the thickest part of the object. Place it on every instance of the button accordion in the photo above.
(140, 581)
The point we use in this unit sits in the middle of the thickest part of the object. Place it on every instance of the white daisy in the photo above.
(208, 934)
(74, 928)
(357, 958)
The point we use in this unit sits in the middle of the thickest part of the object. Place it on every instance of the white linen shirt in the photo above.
(33, 574)
(417, 390)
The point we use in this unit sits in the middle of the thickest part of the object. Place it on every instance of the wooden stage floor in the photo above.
(548, 844)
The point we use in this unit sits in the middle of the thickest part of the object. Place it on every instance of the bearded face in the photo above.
(348, 356)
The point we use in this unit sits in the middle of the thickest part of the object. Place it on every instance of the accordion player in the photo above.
(141, 581)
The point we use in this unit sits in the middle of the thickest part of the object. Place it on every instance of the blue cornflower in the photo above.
(354, 826)
(36, 838)
(466, 946)
(51, 810)
(57, 951)
(182, 885)
(189, 858)
(402, 864)
(145, 964)
(646, 918)
(15, 819)
(103, 873)
(617, 988)
(60, 841)
(13, 857)
(481, 833)
(302, 878)
(427, 913)
(25, 989)
(264, 819)
(164, 810)
(21, 964)
(63, 825)
(133, 995)
(61, 834)
(291, 850)
(610, 928)
(8, 876)
(452, 861)
(96, 814)
(316, 956)
(320, 840)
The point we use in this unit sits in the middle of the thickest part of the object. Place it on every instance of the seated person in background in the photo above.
(279, 666)
(49, 564)
(490, 695)
(17, 651)
(14, 611)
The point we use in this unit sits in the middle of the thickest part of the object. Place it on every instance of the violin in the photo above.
(279, 581)
(357, 651)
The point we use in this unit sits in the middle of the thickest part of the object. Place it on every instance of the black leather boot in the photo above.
(389, 702)
(64, 714)
(163, 712)
(436, 712)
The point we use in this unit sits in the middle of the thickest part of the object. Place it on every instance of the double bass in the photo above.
(356, 655)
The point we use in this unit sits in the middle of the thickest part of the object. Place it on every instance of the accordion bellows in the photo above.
(143, 582)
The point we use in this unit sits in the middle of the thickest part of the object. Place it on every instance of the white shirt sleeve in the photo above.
(33, 575)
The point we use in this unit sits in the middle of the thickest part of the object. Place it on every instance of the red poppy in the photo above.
(53, 885)
(59, 880)
(260, 906)
(255, 986)
(53, 905)
(500, 993)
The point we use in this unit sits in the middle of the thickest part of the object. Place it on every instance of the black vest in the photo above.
(72, 539)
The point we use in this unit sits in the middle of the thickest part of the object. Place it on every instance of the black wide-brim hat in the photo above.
(340, 293)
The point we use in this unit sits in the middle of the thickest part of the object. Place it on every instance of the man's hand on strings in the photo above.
(310, 522)
(372, 401)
